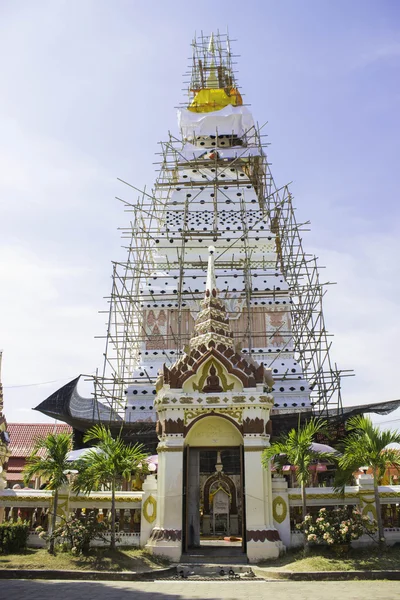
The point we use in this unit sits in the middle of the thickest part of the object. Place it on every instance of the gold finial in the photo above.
(211, 45)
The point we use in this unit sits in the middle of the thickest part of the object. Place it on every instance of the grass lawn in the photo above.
(319, 559)
(99, 559)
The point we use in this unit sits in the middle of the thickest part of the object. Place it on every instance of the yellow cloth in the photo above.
(209, 100)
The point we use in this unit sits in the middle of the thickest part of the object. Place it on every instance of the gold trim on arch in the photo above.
(234, 412)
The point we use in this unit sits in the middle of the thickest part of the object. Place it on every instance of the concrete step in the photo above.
(215, 558)
(228, 570)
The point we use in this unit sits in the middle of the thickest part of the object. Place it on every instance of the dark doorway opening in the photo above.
(214, 500)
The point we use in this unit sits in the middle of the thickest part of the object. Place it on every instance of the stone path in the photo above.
(204, 590)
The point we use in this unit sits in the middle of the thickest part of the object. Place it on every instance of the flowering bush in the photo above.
(76, 534)
(337, 526)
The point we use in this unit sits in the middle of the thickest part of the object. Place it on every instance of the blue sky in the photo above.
(87, 90)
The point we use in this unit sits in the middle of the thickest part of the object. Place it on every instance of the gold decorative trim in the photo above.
(362, 496)
(389, 495)
(214, 492)
(21, 500)
(268, 399)
(103, 499)
(212, 400)
(167, 449)
(235, 412)
(62, 506)
(254, 448)
(150, 501)
(279, 501)
(369, 508)
(333, 496)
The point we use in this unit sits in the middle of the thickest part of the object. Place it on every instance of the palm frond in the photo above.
(111, 461)
(366, 444)
(295, 448)
(343, 477)
(52, 465)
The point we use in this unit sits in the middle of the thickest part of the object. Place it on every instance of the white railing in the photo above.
(25, 498)
(34, 506)
(123, 538)
(42, 498)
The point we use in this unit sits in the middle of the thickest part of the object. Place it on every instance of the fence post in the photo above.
(62, 505)
(280, 508)
(367, 496)
(148, 509)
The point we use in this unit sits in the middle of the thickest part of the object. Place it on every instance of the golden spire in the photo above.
(212, 79)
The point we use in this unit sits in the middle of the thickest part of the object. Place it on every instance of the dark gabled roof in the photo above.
(378, 408)
(69, 406)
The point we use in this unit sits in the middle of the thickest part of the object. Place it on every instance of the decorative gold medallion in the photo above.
(279, 509)
(150, 509)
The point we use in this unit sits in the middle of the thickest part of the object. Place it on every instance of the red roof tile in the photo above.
(15, 476)
(12, 466)
(23, 435)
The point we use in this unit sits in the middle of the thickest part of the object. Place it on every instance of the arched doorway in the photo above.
(213, 486)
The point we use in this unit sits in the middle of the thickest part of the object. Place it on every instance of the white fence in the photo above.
(136, 511)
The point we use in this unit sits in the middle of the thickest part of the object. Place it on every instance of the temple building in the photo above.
(22, 438)
(216, 338)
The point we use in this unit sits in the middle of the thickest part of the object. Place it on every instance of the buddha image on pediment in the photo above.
(212, 383)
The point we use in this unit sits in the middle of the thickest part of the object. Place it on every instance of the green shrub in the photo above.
(13, 537)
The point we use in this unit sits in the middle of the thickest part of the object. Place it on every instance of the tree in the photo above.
(50, 466)
(367, 445)
(295, 448)
(108, 465)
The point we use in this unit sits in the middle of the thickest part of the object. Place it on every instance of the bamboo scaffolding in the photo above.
(308, 339)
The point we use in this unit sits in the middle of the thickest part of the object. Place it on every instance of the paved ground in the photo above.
(212, 590)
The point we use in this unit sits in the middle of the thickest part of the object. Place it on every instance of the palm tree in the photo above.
(108, 465)
(51, 466)
(296, 448)
(367, 445)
